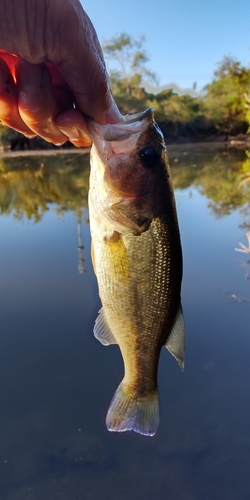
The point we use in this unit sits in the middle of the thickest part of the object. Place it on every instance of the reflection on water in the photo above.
(29, 185)
(81, 268)
(243, 248)
(54, 443)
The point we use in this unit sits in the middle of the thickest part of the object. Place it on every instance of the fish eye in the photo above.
(149, 157)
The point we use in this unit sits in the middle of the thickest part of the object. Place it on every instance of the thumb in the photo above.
(82, 64)
(92, 91)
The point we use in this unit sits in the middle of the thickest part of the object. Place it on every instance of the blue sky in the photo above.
(184, 39)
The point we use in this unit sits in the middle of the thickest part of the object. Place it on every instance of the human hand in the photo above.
(52, 71)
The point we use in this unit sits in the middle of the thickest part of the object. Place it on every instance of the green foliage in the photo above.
(247, 106)
(224, 98)
(129, 95)
(171, 106)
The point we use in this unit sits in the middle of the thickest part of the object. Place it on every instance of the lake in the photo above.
(57, 380)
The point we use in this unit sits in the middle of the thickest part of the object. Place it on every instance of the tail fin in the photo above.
(132, 412)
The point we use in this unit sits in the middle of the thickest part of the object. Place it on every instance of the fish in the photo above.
(137, 258)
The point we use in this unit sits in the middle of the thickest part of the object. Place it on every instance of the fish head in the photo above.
(130, 177)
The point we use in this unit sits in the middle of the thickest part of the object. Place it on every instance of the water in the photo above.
(56, 380)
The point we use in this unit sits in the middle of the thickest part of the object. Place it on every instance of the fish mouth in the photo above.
(148, 114)
(120, 137)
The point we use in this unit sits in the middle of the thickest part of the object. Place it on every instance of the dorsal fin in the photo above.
(176, 340)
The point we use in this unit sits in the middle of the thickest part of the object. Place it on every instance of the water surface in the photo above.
(56, 380)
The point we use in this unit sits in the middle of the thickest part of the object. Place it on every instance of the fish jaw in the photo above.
(119, 138)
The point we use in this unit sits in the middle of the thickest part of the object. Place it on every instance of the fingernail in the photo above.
(29, 136)
(76, 136)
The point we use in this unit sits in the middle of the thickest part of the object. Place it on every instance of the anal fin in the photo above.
(176, 340)
(102, 331)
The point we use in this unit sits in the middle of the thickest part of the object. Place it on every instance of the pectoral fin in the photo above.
(121, 218)
(102, 331)
(127, 218)
(176, 340)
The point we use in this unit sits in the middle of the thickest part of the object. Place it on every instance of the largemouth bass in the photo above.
(137, 257)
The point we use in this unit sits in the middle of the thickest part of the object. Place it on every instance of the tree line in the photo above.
(220, 111)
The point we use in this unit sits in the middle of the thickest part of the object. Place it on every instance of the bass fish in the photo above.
(137, 258)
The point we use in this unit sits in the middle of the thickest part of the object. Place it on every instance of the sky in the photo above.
(185, 39)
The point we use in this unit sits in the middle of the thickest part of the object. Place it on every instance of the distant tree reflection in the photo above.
(224, 178)
(29, 185)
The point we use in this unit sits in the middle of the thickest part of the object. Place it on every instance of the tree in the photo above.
(247, 106)
(131, 57)
(224, 96)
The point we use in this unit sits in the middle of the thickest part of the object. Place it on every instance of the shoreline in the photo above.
(171, 148)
